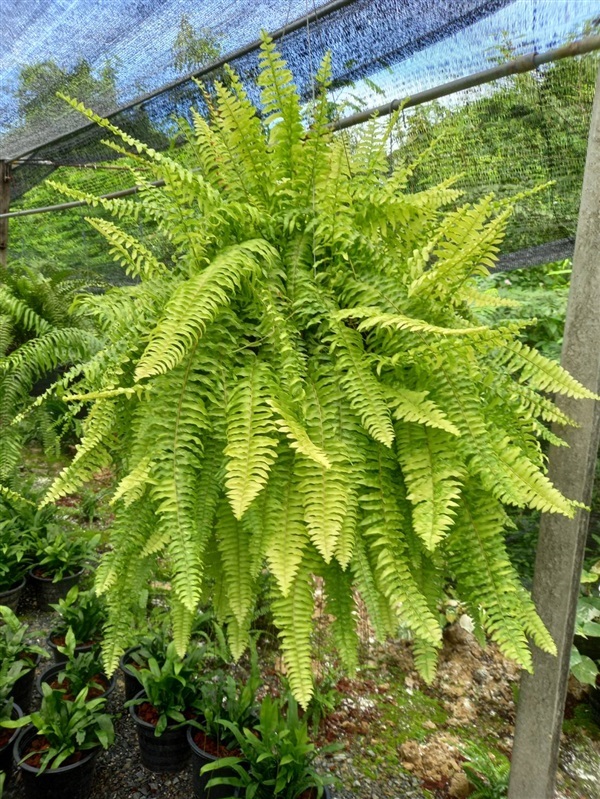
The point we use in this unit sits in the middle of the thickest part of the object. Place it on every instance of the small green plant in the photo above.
(278, 757)
(324, 701)
(60, 554)
(14, 646)
(81, 670)
(170, 687)
(587, 624)
(22, 526)
(82, 613)
(224, 698)
(67, 726)
(90, 502)
(152, 644)
(15, 555)
(9, 674)
(487, 773)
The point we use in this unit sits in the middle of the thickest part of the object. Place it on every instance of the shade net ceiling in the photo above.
(506, 137)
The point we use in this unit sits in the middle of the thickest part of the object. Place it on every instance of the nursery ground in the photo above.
(402, 739)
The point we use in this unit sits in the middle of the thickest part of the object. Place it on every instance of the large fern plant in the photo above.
(305, 386)
(39, 333)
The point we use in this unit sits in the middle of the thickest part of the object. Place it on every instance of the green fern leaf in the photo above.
(251, 443)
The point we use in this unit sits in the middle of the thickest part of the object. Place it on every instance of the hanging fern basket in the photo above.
(305, 386)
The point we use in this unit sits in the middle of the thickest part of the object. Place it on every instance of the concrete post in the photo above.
(562, 541)
(4, 208)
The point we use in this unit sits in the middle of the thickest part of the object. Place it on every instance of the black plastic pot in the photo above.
(201, 758)
(6, 751)
(167, 752)
(132, 682)
(48, 592)
(51, 672)
(11, 597)
(74, 781)
(59, 657)
(23, 687)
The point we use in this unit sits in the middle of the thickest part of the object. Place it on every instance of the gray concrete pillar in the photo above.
(562, 541)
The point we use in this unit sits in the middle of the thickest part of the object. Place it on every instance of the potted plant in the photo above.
(83, 614)
(221, 698)
(277, 757)
(9, 710)
(151, 645)
(14, 648)
(60, 558)
(80, 670)
(57, 752)
(15, 562)
(162, 709)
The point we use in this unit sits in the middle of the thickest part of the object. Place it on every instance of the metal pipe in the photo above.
(307, 19)
(80, 203)
(73, 165)
(524, 63)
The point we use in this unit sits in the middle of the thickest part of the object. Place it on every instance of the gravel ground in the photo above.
(121, 775)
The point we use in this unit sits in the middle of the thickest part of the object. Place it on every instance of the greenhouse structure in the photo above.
(300, 399)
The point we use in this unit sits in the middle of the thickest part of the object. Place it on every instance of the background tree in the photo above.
(39, 83)
(193, 48)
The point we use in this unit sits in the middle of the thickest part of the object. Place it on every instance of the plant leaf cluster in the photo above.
(277, 757)
(68, 726)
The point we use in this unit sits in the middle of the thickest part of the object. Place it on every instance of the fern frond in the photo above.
(340, 603)
(426, 659)
(325, 491)
(195, 304)
(293, 616)
(382, 525)
(485, 577)
(233, 542)
(362, 388)
(544, 374)
(412, 406)
(285, 529)
(281, 107)
(373, 318)
(92, 453)
(251, 443)
(128, 251)
(432, 479)
(22, 314)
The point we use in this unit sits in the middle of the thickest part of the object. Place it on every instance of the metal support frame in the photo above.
(4, 208)
(525, 63)
(561, 544)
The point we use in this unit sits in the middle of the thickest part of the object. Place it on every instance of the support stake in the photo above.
(4, 208)
(561, 542)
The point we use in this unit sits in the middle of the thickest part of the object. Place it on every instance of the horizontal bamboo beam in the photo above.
(524, 63)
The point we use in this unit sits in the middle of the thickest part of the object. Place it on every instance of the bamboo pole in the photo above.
(561, 544)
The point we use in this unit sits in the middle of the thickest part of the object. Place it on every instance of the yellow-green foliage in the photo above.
(305, 387)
